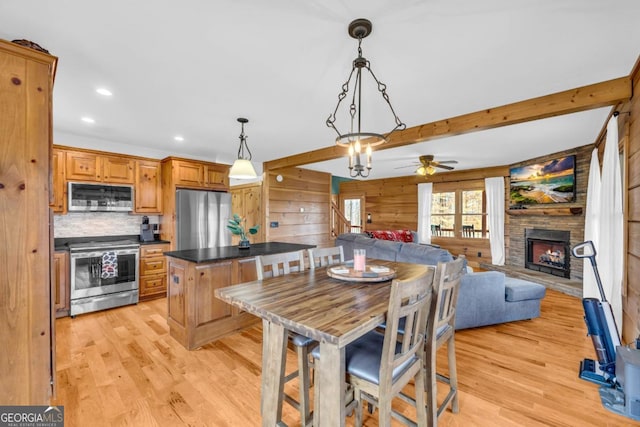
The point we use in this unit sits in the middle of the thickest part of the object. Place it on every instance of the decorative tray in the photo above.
(372, 273)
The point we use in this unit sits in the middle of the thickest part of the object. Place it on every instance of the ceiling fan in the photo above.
(427, 165)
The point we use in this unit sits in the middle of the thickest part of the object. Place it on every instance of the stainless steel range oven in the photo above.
(103, 275)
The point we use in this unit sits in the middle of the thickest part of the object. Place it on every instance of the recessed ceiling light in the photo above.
(103, 91)
(179, 138)
(88, 120)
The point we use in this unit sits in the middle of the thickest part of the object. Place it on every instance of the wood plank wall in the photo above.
(300, 204)
(393, 204)
(631, 299)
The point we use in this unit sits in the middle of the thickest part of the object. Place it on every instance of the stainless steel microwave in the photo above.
(100, 197)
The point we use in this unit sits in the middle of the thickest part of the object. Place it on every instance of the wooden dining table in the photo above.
(332, 311)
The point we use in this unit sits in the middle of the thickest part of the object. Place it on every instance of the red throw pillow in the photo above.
(393, 235)
(404, 236)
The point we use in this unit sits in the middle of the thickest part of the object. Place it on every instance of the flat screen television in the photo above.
(552, 181)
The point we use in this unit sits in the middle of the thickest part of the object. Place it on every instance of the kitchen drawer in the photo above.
(152, 266)
(150, 285)
(152, 250)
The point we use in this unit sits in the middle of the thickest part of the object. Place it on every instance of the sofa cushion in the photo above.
(423, 254)
(384, 249)
(393, 235)
(521, 290)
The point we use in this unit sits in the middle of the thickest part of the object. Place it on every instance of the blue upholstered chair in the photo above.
(379, 366)
(277, 265)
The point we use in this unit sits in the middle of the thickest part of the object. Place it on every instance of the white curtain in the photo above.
(610, 239)
(494, 188)
(424, 212)
(592, 225)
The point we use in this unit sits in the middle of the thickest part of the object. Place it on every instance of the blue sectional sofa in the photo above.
(486, 298)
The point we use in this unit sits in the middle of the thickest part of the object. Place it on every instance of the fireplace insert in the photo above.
(548, 251)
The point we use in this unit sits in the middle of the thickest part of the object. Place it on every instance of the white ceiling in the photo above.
(192, 67)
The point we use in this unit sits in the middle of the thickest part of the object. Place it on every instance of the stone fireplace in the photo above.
(548, 251)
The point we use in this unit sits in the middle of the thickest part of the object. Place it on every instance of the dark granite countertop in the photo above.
(232, 252)
(62, 243)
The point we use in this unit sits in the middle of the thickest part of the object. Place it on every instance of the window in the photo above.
(459, 213)
(443, 210)
(352, 213)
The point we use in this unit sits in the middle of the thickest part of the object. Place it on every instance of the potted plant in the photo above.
(237, 227)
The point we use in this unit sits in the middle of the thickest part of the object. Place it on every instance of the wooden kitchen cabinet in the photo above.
(118, 170)
(194, 174)
(195, 316)
(27, 327)
(153, 271)
(190, 174)
(81, 166)
(59, 191)
(61, 283)
(148, 184)
(216, 176)
(88, 166)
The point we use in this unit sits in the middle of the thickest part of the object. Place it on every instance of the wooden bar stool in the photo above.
(441, 330)
(277, 265)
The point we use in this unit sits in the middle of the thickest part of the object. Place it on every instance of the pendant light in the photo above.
(242, 167)
(357, 139)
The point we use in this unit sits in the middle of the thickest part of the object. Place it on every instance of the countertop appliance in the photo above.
(100, 197)
(201, 219)
(146, 230)
(103, 275)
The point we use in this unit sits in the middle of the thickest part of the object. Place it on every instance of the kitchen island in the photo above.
(195, 316)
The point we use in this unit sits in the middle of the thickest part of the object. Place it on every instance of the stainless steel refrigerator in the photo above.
(201, 219)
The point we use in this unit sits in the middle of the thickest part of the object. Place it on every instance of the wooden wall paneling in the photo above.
(300, 203)
(633, 170)
(631, 300)
(634, 238)
(633, 199)
(26, 302)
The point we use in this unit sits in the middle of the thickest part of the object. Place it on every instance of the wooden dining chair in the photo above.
(322, 257)
(440, 331)
(277, 265)
(379, 366)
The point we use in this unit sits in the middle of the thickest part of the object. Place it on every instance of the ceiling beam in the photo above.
(570, 101)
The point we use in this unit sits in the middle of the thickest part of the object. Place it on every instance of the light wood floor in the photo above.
(121, 367)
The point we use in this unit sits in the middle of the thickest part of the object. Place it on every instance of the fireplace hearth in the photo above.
(548, 251)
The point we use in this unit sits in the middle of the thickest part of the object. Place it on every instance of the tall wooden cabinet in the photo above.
(26, 313)
(246, 201)
(185, 173)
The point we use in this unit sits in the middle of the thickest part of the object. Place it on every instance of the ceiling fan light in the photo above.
(421, 171)
(430, 170)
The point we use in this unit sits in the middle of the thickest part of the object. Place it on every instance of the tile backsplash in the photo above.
(89, 224)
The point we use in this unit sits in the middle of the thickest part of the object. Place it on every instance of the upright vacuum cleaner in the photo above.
(617, 370)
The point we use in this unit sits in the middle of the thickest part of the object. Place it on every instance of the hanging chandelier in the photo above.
(356, 138)
(242, 167)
